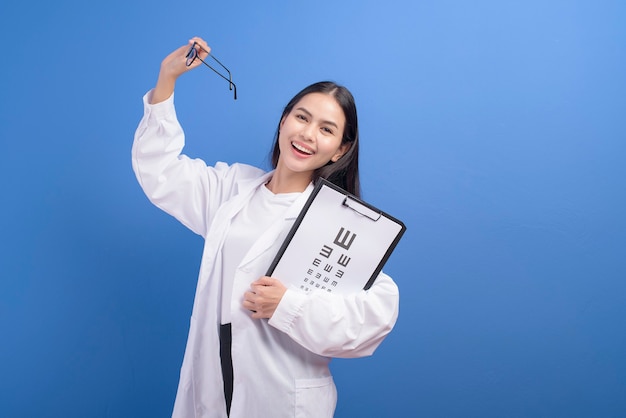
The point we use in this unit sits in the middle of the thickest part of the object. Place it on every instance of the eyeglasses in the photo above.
(193, 54)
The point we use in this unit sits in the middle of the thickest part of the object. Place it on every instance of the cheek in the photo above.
(332, 146)
(286, 132)
(283, 140)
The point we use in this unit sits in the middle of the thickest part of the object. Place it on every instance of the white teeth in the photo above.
(301, 148)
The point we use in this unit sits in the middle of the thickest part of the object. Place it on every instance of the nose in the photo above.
(308, 132)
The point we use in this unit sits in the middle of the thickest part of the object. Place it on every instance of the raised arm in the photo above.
(185, 188)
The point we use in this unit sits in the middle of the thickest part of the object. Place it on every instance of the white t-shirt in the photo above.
(263, 209)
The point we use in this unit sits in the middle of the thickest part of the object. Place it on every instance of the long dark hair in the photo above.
(345, 172)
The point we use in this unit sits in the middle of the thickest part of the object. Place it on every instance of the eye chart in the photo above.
(337, 244)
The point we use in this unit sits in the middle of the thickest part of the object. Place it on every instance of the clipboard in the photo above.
(338, 243)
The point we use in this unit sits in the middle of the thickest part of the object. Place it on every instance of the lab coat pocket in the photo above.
(315, 398)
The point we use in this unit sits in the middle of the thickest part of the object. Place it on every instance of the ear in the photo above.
(340, 152)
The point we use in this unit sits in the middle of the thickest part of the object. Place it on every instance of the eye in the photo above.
(301, 117)
(327, 130)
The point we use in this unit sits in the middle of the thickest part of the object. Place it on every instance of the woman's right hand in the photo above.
(174, 65)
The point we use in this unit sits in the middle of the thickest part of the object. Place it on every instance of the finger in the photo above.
(264, 281)
(201, 46)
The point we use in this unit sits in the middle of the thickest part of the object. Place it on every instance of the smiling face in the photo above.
(310, 136)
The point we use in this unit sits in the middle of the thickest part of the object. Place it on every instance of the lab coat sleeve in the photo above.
(185, 188)
(339, 325)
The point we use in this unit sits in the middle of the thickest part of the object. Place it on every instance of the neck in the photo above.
(293, 183)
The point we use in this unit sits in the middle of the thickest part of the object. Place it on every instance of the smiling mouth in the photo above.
(302, 149)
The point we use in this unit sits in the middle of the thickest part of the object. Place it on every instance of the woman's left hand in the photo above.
(264, 296)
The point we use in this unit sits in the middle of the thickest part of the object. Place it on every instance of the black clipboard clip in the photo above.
(361, 208)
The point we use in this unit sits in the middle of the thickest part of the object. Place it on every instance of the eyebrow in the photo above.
(328, 122)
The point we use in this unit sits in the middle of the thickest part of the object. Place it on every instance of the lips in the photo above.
(302, 149)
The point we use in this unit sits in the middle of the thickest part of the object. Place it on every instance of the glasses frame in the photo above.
(192, 54)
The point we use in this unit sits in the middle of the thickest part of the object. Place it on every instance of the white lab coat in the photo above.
(280, 365)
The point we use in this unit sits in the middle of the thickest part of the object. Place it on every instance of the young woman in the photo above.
(256, 348)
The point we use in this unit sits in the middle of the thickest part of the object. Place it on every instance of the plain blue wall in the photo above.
(495, 130)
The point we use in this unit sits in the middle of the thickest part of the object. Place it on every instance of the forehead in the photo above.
(322, 106)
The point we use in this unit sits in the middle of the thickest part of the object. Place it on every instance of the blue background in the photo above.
(494, 129)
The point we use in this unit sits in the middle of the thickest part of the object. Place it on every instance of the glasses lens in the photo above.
(191, 55)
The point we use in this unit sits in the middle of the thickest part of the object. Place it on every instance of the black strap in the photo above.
(226, 339)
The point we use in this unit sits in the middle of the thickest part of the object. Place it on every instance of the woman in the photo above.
(281, 340)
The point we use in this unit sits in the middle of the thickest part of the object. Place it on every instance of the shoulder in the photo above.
(238, 177)
(239, 171)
